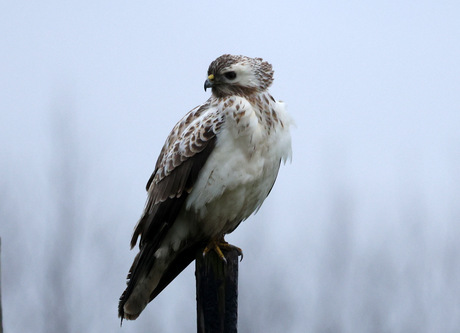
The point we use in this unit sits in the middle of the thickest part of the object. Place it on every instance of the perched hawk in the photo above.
(216, 168)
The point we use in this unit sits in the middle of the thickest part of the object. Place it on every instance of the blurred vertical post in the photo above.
(217, 292)
(1, 314)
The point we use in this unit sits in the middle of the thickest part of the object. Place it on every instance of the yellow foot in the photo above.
(219, 244)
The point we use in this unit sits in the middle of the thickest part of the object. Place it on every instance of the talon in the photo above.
(218, 244)
(228, 246)
(214, 245)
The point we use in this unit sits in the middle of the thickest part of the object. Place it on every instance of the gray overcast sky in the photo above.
(367, 212)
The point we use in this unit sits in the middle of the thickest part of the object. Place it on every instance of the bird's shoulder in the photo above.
(188, 137)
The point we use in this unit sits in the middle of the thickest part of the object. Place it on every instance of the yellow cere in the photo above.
(211, 77)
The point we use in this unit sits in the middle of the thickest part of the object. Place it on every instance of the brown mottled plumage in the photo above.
(215, 169)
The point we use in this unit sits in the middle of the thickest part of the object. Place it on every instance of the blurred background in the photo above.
(360, 233)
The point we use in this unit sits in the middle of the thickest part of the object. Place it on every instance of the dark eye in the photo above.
(230, 75)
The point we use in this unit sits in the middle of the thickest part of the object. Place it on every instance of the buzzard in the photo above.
(216, 168)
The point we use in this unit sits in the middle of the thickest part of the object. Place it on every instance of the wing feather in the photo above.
(184, 154)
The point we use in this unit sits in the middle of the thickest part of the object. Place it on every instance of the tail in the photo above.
(140, 282)
(148, 277)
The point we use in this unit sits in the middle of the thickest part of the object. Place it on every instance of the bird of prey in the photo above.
(216, 168)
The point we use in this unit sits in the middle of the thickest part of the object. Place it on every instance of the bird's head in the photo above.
(238, 75)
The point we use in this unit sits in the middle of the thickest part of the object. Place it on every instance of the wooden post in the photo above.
(217, 292)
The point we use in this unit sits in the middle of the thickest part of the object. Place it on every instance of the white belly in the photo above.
(238, 175)
(231, 188)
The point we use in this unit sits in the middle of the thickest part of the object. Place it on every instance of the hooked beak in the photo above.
(209, 82)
